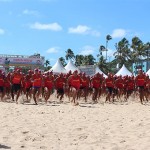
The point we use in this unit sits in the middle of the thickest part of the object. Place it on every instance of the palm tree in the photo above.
(147, 49)
(79, 60)
(47, 62)
(138, 50)
(70, 54)
(102, 64)
(123, 53)
(101, 49)
(108, 38)
(62, 60)
(89, 60)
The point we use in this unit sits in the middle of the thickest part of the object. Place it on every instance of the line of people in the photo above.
(73, 85)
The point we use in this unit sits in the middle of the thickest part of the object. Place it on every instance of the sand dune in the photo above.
(55, 126)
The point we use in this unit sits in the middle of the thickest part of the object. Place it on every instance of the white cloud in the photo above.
(30, 12)
(82, 29)
(2, 31)
(53, 26)
(86, 50)
(53, 50)
(79, 29)
(119, 33)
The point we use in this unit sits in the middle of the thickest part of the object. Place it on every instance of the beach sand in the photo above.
(55, 126)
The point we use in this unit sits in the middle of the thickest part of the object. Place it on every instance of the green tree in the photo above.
(70, 54)
(147, 50)
(47, 62)
(102, 64)
(138, 51)
(89, 60)
(63, 62)
(79, 60)
(123, 52)
(101, 49)
(108, 38)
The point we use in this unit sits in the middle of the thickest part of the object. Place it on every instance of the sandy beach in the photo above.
(55, 126)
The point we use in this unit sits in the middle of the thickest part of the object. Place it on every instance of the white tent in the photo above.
(71, 67)
(58, 68)
(123, 72)
(148, 72)
(97, 70)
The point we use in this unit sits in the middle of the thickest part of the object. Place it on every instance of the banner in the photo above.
(14, 61)
(89, 69)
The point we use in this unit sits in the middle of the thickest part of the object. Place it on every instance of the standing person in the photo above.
(119, 84)
(109, 83)
(48, 85)
(7, 85)
(130, 87)
(96, 84)
(27, 86)
(59, 85)
(74, 81)
(85, 84)
(36, 85)
(140, 82)
(2, 84)
(16, 80)
(68, 86)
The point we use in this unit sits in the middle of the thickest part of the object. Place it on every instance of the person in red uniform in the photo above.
(96, 83)
(27, 86)
(2, 85)
(16, 80)
(60, 83)
(7, 85)
(48, 85)
(85, 84)
(119, 84)
(36, 84)
(147, 88)
(68, 87)
(109, 83)
(74, 81)
(130, 86)
(140, 82)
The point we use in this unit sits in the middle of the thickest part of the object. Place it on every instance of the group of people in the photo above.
(73, 85)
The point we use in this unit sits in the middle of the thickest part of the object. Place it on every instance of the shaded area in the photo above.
(4, 147)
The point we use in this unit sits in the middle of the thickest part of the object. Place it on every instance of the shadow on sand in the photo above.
(4, 147)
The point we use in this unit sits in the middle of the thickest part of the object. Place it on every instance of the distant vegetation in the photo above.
(125, 53)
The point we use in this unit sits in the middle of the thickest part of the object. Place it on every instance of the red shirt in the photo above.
(119, 83)
(49, 82)
(59, 83)
(1, 80)
(140, 80)
(109, 82)
(37, 80)
(75, 81)
(17, 78)
(84, 82)
(96, 82)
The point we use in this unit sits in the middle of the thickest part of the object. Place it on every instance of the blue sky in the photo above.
(50, 27)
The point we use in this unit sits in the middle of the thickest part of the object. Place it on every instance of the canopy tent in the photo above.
(148, 72)
(97, 70)
(123, 72)
(71, 67)
(58, 68)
